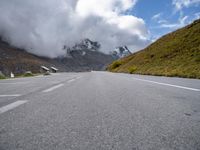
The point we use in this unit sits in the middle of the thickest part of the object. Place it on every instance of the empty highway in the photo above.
(99, 111)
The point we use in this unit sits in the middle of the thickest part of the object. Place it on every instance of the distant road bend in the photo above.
(99, 110)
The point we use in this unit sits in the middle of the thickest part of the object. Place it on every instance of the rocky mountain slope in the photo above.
(121, 52)
(175, 54)
(82, 57)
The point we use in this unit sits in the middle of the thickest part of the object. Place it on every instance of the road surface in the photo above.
(99, 111)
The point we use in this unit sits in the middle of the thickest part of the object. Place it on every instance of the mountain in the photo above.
(175, 54)
(82, 48)
(82, 57)
(87, 44)
(17, 60)
(121, 52)
(85, 56)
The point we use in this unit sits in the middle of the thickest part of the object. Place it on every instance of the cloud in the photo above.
(44, 27)
(182, 21)
(104, 8)
(180, 4)
(156, 16)
(197, 15)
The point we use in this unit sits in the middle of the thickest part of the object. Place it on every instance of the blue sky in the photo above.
(164, 16)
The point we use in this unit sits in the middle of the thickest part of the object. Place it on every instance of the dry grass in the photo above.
(175, 54)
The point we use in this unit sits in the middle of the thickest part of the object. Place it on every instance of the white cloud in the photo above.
(179, 4)
(103, 8)
(161, 21)
(197, 15)
(157, 16)
(181, 22)
(43, 27)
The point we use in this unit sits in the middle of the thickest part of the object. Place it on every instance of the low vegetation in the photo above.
(116, 64)
(28, 74)
(132, 69)
(2, 77)
(176, 54)
(47, 73)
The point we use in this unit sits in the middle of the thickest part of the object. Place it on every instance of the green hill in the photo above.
(175, 54)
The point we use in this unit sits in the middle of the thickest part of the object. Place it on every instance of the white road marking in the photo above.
(72, 80)
(11, 106)
(78, 77)
(14, 83)
(13, 95)
(166, 84)
(39, 76)
(53, 88)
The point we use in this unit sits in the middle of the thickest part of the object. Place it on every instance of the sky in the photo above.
(44, 27)
(164, 16)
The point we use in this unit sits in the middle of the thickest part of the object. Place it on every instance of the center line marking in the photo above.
(13, 95)
(53, 88)
(78, 77)
(166, 84)
(72, 80)
(11, 106)
(11, 83)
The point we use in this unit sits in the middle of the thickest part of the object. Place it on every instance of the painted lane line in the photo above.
(171, 85)
(14, 83)
(72, 80)
(11, 106)
(53, 88)
(13, 95)
(78, 77)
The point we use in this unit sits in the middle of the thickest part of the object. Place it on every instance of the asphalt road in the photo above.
(99, 111)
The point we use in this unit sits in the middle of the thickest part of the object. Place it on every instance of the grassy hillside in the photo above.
(175, 54)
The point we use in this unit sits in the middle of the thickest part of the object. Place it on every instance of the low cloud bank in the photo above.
(44, 27)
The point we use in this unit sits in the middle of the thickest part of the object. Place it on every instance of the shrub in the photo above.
(2, 76)
(47, 73)
(132, 69)
(28, 74)
(116, 64)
